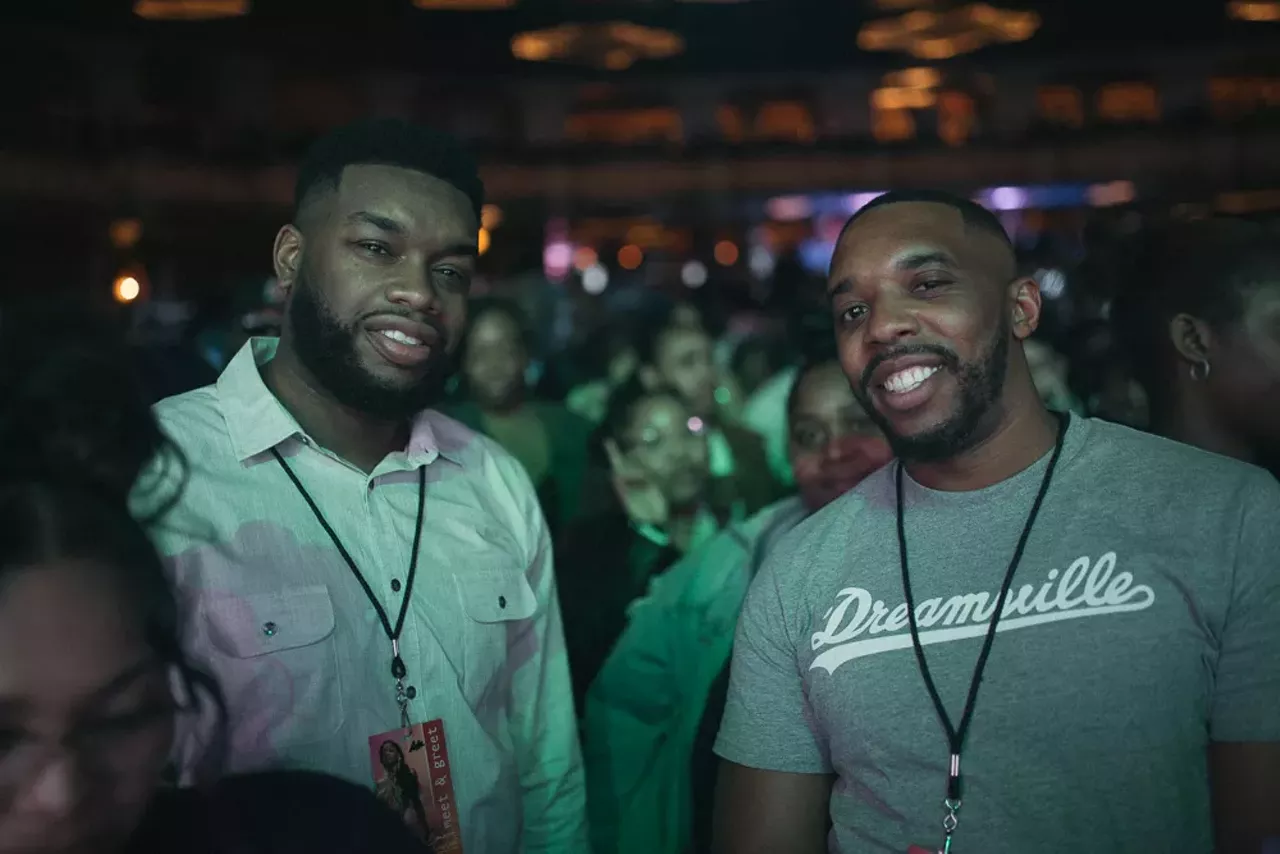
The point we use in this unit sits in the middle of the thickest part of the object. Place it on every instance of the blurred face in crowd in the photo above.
(667, 444)
(86, 713)
(685, 315)
(924, 307)
(1244, 376)
(377, 273)
(833, 444)
(682, 361)
(495, 361)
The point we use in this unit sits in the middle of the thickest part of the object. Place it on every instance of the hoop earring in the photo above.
(1200, 370)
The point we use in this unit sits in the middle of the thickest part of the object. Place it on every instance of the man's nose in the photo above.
(54, 789)
(415, 291)
(890, 321)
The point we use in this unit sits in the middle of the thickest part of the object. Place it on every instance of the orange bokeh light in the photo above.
(630, 257)
(726, 253)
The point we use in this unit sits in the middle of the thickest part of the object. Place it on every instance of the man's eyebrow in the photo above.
(916, 258)
(457, 250)
(909, 260)
(379, 221)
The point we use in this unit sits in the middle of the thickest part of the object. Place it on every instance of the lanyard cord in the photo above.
(955, 737)
(393, 634)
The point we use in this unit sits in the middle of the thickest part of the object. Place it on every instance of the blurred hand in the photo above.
(644, 502)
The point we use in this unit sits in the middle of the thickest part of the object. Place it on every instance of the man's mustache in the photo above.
(949, 360)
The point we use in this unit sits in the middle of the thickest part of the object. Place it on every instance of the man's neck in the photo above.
(1196, 425)
(356, 437)
(1025, 435)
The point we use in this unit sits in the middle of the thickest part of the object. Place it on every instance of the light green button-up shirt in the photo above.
(276, 615)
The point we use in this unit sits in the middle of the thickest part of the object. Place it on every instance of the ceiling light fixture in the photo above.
(1254, 10)
(464, 5)
(941, 35)
(614, 46)
(190, 10)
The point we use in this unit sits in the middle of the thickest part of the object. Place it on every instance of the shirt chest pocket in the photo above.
(276, 658)
(498, 634)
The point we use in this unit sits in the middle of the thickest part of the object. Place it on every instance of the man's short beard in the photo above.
(981, 384)
(327, 349)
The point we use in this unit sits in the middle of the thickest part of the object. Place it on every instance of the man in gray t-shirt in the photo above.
(1137, 654)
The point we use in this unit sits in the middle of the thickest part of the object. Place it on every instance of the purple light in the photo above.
(1008, 198)
(790, 208)
(557, 257)
(857, 201)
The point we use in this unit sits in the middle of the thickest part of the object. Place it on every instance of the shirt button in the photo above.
(395, 585)
(269, 629)
(502, 601)
(411, 692)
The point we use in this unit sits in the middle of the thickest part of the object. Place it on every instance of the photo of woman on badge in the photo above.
(399, 788)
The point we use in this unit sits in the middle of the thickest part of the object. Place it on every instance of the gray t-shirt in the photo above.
(1143, 622)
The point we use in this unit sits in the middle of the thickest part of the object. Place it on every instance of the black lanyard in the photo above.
(956, 736)
(393, 633)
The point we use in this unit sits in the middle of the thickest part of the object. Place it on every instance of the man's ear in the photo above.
(1191, 338)
(1024, 295)
(286, 257)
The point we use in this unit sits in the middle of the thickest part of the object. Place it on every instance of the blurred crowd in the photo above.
(667, 451)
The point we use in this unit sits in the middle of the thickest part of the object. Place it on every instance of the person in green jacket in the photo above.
(548, 440)
(644, 736)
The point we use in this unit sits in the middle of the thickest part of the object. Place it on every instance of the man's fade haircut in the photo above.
(974, 214)
(387, 142)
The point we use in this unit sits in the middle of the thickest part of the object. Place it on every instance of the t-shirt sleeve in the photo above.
(768, 722)
(1246, 699)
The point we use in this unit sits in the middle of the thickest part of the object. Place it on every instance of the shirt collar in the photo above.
(257, 421)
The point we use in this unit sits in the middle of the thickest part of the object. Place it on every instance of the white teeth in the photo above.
(911, 378)
(400, 337)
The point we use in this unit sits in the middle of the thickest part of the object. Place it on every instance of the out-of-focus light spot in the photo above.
(857, 201)
(595, 279)
(726, 253)
(694, 274)
(723, 396)
(790, 208)
(1254, 10)
(630, 257)
(484, 241)
(584, 257)
(1053, 283)
(761, 262)
(189, 10)
(1008, 198)
(125, 233)
(490, 217)
(696, 425)
(556, 258)
(126, 289)
(1114, 193)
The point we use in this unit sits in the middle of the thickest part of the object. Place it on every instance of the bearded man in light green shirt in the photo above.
(355, 564)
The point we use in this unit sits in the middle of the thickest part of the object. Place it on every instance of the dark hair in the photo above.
(974, 214)
(481, 306)
(387, 142)
(622, 406)
(651, 327)
(806, 369)
(75, 434)
(1206, 269)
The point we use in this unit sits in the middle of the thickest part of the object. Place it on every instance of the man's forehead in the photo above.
(898, 234)
(395, 187)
